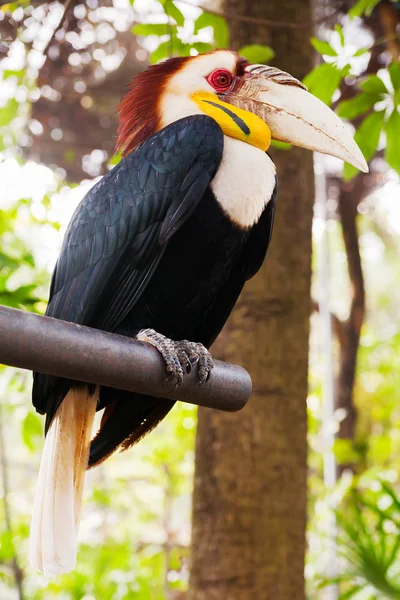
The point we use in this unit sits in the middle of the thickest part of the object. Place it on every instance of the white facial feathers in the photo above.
(176, 101)
(244, 182)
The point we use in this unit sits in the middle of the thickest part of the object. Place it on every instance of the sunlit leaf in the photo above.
(339, 31)
(115, 159)
(8, 112)
(348, 109)
(323, 81)
(362, 51)
(394, 72)
(344, 451)
(219, 25)
(32, 430)
(367, 137)
(392, 153)
(173, 11)
(10, 73)
(204, 20)
(6, 546)
(160, 53)
(257, 53)
(151, 29)
(374, 84)
(361, 7)
(280, 145)
(202, 47)
(323, 47)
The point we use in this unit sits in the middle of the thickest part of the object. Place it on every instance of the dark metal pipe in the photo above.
(68, 350)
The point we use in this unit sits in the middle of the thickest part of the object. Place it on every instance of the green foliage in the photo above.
(363, 7)
(323, 47)
(152, 29)
(349, 109)
(32, 431)
(394, 73)
(256, 53)
(369, 543)
(8, 112)
(392, 130)
(376, 123)
(367, 137)
(134, 533)
(324, 80)
(219, 26)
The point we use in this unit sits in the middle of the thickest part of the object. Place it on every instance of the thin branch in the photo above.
(67, 6)
(17, 571)
(337, 324)
(262, 22)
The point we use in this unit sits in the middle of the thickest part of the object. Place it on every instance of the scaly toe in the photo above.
(198, 354)
(169, 351)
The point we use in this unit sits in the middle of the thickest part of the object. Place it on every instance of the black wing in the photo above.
(119, 231)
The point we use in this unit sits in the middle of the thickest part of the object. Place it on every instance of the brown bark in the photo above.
(390, 19)
(249, 506)
(350, 196)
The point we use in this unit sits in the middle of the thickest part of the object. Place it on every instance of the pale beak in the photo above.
(293, 114)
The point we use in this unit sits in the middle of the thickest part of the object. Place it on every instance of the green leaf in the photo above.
(392, 154)
(115, 159)
(174, 12)
(344, 451)
(361, 7)
(323, 47)
(323, 81)
(394, 72)
(9, 73)
(355, 589)
(374, 84)
(202, 46)
(361, 51)
(219, 25)
(31, 430)
(202, 21)
(151, 29)
(348, 109)
(280, 145)
(160, 53)
(7, 550)
(339, 31)
(221, 32)
(8, 112)
(367, 137)
(181, 48)
(257, 53)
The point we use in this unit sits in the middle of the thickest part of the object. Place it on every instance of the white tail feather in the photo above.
(56, 509)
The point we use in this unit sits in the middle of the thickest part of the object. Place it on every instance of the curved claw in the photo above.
(180, 356)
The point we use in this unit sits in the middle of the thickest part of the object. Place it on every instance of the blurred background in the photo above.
(63, 69)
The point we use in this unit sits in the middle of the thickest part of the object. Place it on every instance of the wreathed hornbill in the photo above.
(160, 249)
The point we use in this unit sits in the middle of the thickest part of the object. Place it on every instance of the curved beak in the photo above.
(293, 114)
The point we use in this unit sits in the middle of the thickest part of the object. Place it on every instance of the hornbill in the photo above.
(160, 249)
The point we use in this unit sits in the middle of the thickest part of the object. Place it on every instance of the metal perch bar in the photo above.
(56, 347)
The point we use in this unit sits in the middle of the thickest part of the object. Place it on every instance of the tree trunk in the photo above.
(249, 504)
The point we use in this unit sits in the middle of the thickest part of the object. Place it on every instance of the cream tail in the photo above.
(56, 509)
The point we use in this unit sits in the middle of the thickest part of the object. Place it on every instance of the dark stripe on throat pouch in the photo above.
(239, 122)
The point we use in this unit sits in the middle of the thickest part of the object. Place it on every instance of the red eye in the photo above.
(220, 79)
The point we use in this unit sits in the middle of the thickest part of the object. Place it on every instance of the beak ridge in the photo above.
(293, 114)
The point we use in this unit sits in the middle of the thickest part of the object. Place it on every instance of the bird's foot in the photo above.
(179, 356)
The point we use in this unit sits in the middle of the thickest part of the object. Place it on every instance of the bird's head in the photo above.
(254, 103)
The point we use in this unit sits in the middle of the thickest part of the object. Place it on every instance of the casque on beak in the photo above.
(293, 114)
